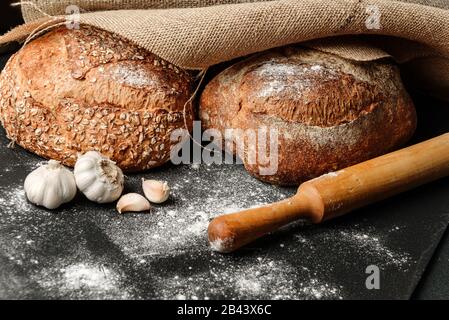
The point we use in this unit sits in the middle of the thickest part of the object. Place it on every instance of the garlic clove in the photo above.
(155, 191)
(133, 202)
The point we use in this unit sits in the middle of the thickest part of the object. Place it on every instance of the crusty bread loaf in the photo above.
(329, 112)
(71, 91)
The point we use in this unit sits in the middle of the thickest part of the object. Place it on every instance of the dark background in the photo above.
(9, 16)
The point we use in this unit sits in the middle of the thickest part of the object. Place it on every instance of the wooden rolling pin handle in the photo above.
(232, 231)
(337, 193)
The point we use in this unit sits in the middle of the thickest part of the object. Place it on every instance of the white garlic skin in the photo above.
(133, 202)
(156, 191)
(98, 178)
(50, 185)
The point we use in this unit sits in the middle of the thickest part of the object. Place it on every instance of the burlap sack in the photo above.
(195, 34)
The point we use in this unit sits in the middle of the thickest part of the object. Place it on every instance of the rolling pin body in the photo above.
(337, 193)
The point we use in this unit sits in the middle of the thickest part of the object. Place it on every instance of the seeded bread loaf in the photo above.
(71, 91)
(329, 112)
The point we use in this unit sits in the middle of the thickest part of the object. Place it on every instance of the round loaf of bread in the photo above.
(327, 112)
(72, 91)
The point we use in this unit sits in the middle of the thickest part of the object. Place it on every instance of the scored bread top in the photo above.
(301, 85)
(325, 112)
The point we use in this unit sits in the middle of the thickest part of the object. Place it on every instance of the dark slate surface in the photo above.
(85, 250)
(434, 284)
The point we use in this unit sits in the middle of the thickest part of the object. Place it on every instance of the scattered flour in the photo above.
(330, 174)
(177, 233)
(13, 200)
(318, 290)
(132, 75)
(276, 74)
(84, 281)
(80, 276)
(366, 243)
(195, 166)
(220, 245)
(261, 278)
(372, 245)
(170, 247)
(29, 164)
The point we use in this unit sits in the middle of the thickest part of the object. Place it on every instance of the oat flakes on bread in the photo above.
(71, 91)
(329, 112)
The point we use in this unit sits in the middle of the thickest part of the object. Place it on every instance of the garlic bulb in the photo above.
(155, 191)
(133, 202)
(50, 185)
(98, 177)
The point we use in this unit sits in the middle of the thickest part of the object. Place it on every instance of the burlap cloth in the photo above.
(196, 34)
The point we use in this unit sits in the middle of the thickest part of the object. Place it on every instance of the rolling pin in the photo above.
(336, 193)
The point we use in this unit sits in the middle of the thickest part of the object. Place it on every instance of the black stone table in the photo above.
(84, 250)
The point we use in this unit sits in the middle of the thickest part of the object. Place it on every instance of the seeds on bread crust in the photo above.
(72, 91)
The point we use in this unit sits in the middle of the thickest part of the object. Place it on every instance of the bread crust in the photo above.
(71, 91)
(329, 112)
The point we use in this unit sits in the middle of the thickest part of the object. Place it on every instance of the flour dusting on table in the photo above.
(83, 281)
(165, 253)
